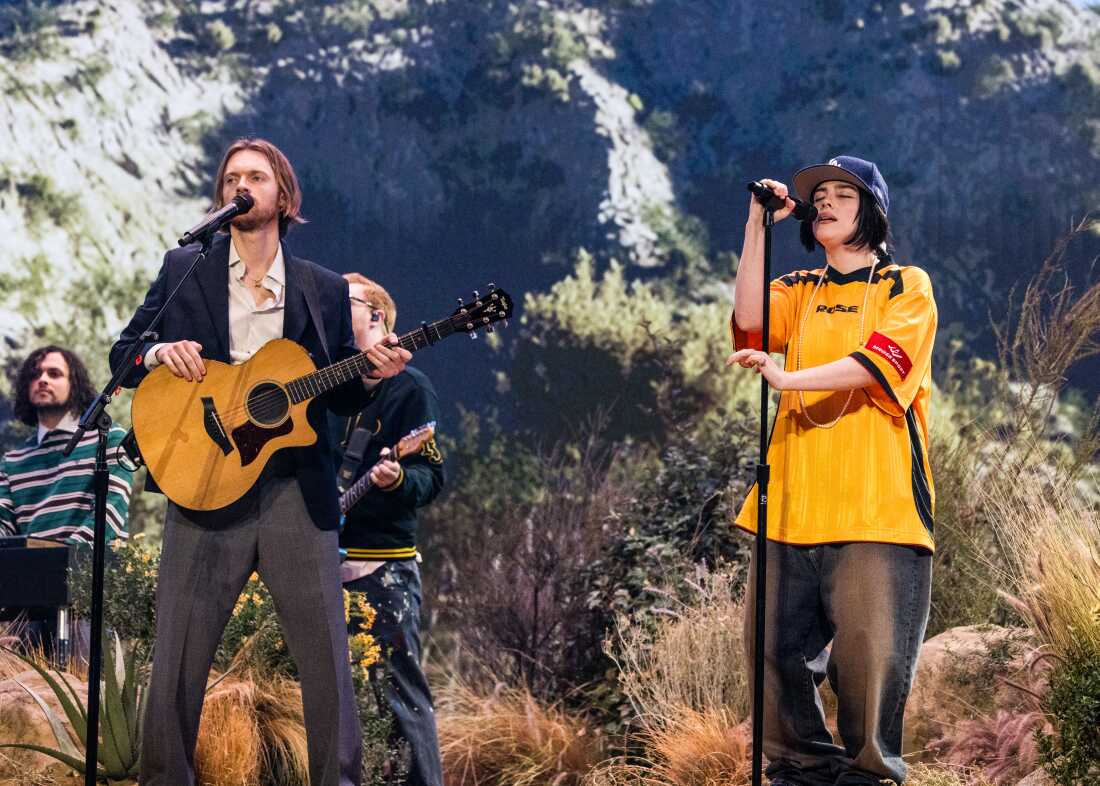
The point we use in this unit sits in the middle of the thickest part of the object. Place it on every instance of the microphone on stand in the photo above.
(240, 204)
(803, 211)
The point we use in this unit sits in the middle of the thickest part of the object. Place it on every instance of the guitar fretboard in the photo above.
(355, 493)
(325, 379)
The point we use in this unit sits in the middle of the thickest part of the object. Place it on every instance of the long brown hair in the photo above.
(291, 209)
(81, 392)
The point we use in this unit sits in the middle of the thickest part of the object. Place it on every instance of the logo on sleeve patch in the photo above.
(894, 354)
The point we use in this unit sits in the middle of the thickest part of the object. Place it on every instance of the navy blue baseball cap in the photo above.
(850, 169)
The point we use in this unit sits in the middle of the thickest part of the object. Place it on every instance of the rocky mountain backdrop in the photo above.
(446, 143)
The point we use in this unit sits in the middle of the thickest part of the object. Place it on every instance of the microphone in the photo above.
(803, 211)
(241, 203)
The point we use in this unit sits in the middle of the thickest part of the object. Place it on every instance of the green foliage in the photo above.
(44, 204)
(121, 711)
(682, 241)
(995, 74)
(946, 61)
(679, 516)
(977, 674)
(129, 596)
(1040, 30)
(665, 135)
(1072, 754)
(28, 28)
(940, 28)
(219, 36)
(593, 333)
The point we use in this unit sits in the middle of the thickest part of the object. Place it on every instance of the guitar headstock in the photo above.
(484, 311)
(414, 440)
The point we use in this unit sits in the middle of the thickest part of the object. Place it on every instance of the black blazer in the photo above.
(200, 312)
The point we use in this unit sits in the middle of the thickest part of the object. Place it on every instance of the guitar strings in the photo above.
(271, 403)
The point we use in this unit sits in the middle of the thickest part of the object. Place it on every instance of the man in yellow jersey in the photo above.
(850, 500)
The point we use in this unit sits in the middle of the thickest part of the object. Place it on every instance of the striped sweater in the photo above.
(48, 495)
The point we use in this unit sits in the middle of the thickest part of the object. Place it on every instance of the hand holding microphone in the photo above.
(773, 194)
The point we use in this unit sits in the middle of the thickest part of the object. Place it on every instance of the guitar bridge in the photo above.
(213, 425)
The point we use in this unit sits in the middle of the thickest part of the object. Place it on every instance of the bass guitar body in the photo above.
(206, 443)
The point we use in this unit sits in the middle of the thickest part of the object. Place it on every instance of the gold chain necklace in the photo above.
(802, 334)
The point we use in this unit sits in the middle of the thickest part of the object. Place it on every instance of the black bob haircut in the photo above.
(81, 391)
(872, 227)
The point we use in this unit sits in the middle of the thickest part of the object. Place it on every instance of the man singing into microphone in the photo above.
(849, 551)
(248, 291)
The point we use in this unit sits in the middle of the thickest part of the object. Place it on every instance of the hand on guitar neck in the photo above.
(388, 358)
(386, 472)
(206, 445)
(182, 358)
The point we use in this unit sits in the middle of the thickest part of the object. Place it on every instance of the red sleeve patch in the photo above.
(894, 354)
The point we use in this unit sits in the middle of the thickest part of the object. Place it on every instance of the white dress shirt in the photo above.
(250, 325)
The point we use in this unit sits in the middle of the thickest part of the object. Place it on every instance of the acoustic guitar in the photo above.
(206, 443)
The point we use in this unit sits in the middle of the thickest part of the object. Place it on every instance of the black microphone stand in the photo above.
(762, 473)
(96, 416)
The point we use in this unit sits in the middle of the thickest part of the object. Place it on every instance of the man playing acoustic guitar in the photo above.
(379, 533)
(249, 291)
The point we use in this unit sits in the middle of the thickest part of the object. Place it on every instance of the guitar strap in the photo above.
(355, 446)
(309, 289)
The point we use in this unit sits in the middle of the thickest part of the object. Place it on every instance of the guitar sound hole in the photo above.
(268, 404)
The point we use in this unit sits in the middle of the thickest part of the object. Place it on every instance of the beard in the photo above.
(53, 410)
(256, 218)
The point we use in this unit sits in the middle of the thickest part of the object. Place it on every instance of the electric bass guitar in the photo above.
(206, 443)
(408, 445)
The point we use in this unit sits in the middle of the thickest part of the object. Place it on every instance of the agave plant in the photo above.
(122, 704)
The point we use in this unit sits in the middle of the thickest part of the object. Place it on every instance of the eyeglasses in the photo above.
(376, 314)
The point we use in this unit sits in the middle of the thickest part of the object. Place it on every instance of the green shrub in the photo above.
(947, 61)
(665, 135)
(939, 28)
(129, 597)
(44, 203)
(1072, 754)
(995, 74)
(219, 36)
(679, 517)
(28, 29)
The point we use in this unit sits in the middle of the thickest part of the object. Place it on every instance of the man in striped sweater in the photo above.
(43, 493)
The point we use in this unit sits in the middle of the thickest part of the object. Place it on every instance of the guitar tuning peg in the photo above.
(476, 294)
(504, 322)
(488, 328)
(460, 301)
(473, 334)
(492, 286)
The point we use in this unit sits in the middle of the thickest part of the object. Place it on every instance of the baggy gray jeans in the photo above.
(870, 600)
(202, 572)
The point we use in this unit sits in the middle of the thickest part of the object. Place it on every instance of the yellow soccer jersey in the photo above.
(868, 477)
